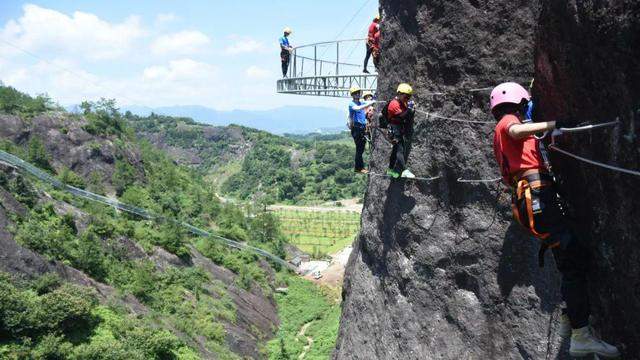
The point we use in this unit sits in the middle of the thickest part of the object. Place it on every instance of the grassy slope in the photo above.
(305, 303)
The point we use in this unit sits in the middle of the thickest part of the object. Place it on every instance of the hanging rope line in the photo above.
(458, 91)
(440, 117)
(349, 23)
(401, 178)
(590, 127)
(16, 162)
(470, 181)
(593, 162)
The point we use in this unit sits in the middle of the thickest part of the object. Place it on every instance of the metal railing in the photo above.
(328, 69)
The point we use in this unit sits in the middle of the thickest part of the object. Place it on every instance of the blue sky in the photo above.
(161, 53)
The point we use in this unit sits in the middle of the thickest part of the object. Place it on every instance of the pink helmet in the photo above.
(510, 92)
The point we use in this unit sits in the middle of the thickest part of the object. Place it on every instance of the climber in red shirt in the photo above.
(400, 113)
(537, 207)
(373, 29)
(375, 48)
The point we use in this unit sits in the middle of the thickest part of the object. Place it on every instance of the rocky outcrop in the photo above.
(70, 146)
(439, 270)
(588, 68)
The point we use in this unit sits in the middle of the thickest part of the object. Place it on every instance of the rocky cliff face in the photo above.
(588, 68)
(439, 270)
(72, 147)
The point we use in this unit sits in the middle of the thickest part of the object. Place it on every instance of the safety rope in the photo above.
(479, 181)
(590, 127)
(44, 176)
(458, 91)
(436, 116)
(593, 162)
(403, 178)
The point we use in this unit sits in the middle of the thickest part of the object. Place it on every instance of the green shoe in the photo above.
(393, 174)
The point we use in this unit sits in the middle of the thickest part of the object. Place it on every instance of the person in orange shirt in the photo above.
(373, 29)
(536, 206)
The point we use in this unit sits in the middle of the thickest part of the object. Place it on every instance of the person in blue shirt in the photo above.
(285, 51)
(358, 126)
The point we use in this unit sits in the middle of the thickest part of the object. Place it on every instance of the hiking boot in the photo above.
(584, 343)
(361, 171)
(408, 174)
(392, 174)
(365, 71)
(565, 326)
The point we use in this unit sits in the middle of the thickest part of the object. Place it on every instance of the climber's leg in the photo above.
(572, 260)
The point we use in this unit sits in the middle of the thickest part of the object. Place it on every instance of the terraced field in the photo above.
(319, 233)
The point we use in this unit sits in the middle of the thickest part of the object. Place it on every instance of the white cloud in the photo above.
(184, 42)
(256, 72)
(82, 34)
(181, 70)
(166, 18)
(244, 45)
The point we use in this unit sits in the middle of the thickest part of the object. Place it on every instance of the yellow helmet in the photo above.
(354, 89)
(405, 88)
(377, 18)
(287, 30)
(367, 93)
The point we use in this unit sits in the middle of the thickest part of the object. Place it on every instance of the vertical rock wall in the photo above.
(588, 68)
(440, 271)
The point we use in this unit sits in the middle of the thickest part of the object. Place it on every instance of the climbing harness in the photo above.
(525, 206)
(145, 214)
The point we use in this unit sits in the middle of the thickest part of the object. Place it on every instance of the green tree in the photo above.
(38, 155)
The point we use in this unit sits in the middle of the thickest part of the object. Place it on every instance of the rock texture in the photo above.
(440, 271)
(588, 68)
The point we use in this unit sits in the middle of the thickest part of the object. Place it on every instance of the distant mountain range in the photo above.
(289, 119)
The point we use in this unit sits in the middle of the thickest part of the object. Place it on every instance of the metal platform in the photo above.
(323, 69)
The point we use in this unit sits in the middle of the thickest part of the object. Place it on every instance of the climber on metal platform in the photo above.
(399, 113)
(285, 51)
(373, 29)
(358, 125)
(536, 206)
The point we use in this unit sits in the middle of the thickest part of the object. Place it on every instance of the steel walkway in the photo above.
(324, 69)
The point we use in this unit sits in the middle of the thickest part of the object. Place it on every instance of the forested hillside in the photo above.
(80, 280)
(251, 164)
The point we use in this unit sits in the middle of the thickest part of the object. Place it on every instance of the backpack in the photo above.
(383, 118)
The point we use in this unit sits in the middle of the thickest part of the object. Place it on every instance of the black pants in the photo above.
(572, 257)
(285, 57)
(358, 134)
(399, 153)
(366, 58)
